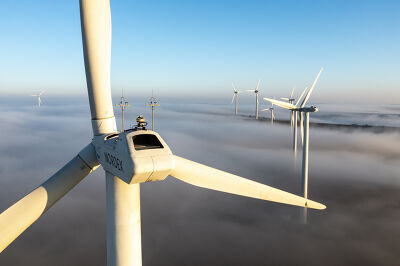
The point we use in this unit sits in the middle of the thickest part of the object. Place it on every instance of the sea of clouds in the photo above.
(355, 173)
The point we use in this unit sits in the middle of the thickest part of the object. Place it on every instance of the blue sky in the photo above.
(197, 48)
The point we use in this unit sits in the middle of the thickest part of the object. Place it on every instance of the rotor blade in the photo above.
(233, 98)
(96, 39)
(284, 98)
(301, 95)
(291, 119)
(265, 109)
(291, 95)
(281, 104)
(207, 177)
(249, 90)
(301, 127)
(16, 219)
(310, 90)
(233, 86)
(258, 85)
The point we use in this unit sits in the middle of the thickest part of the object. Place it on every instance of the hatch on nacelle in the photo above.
(146, 142)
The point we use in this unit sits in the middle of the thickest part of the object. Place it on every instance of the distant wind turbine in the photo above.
(256, 92)
(271, 109)
(290, 99)
(235, 97)
(304, 111)
(38, 97)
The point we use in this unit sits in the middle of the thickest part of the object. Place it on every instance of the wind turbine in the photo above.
(304, 111)
(128, 158)
(271, 109)
(38, 97)
(256, 92)
(152, 103)
(123, 103)
(235, 97)
(290, 99)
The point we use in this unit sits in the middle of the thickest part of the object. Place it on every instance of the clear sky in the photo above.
(197, 48)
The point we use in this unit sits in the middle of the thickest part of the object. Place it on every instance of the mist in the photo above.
(354, 173)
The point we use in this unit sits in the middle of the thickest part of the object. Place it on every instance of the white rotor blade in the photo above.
(207, 177)
(291, 119)
(233, 98)
(281, 104)
(291, 95)
(311, 89)
(265, 109)
(249, 90)
(284, 98)
(16, 219)
(233, 86)
(258, 85)
(301, 95)
(96, 38)
(302, 127)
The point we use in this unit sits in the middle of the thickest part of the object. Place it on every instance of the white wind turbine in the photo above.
(256, 92)
(38, 97)
(235, 97)
(290, 99)
(271, 109)
(304, 124)
(128, 158)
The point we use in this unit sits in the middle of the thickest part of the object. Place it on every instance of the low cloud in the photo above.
(355, 174)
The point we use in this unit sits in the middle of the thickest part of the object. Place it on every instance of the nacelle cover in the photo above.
(135, 156)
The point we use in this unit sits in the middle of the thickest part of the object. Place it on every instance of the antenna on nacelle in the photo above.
(123, 104)
(152, 103)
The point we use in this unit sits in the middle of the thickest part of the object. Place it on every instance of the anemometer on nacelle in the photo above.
(136, 155)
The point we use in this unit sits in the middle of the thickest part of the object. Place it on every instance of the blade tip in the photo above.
(314, 205)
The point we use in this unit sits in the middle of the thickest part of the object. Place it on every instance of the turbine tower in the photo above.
(305, 125)
(39, 100)
(256, 92)
(123, 103)
(152, 103)
(235, 97)
(294, 112)
(128, 158)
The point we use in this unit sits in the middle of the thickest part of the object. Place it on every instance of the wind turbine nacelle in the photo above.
(311, 109)
(135, 156)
